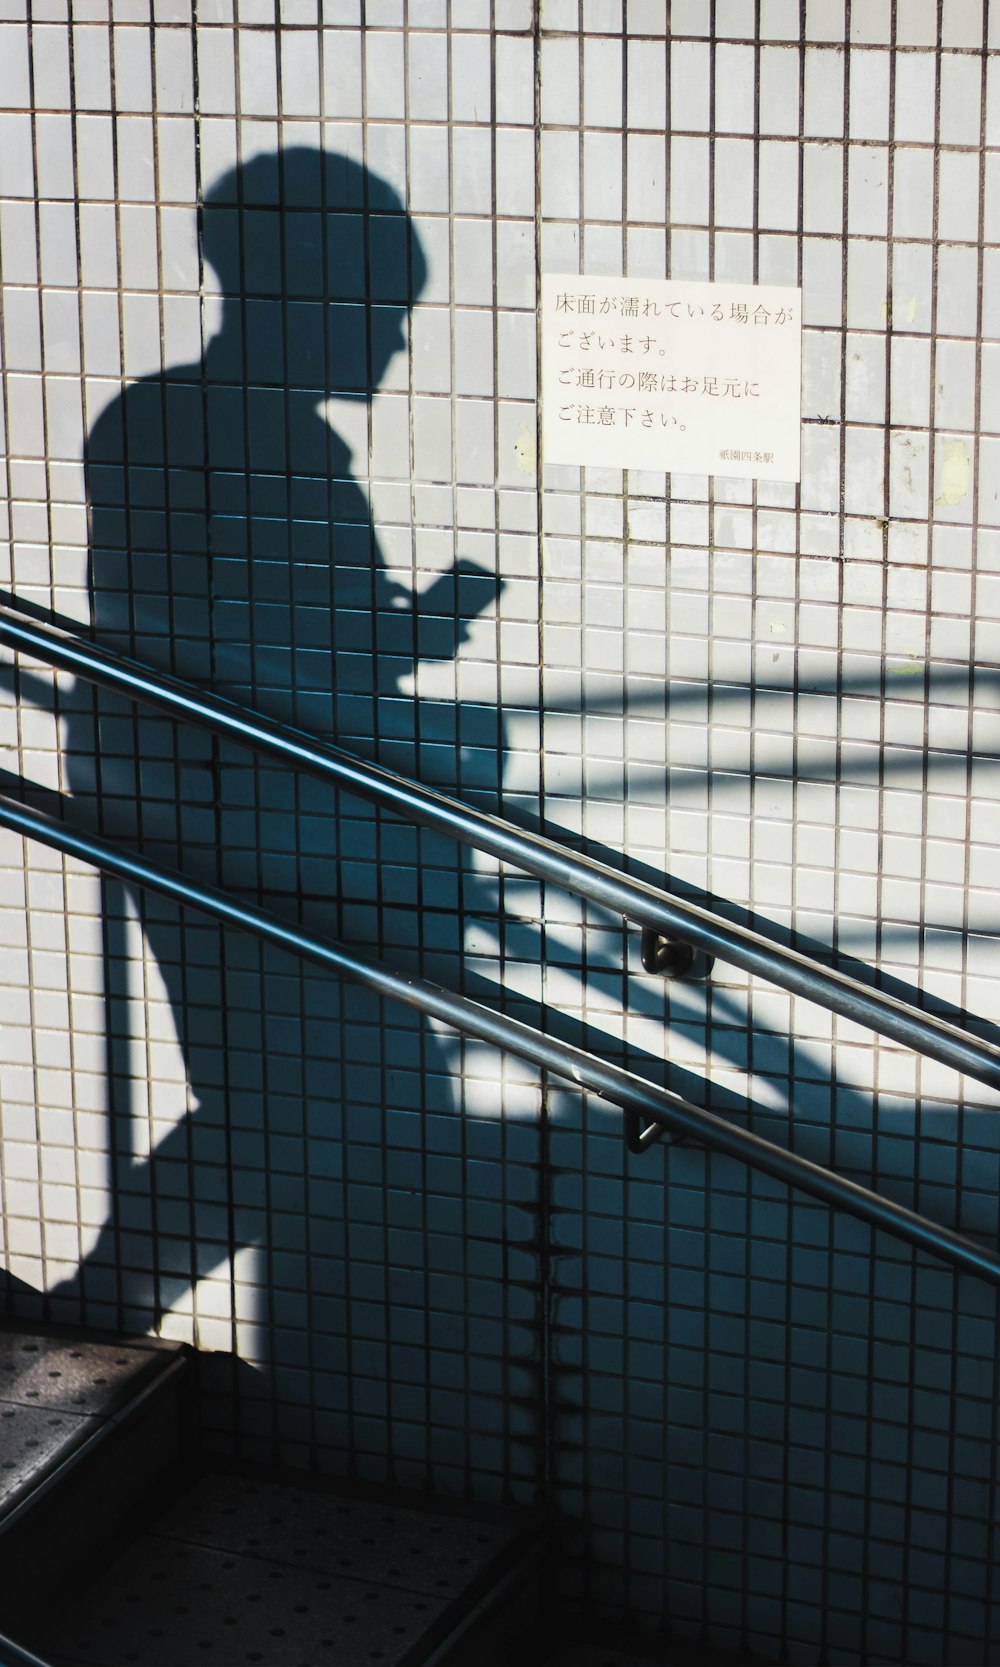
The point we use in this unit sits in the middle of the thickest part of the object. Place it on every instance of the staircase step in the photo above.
(285, 1573)
(87, 1429)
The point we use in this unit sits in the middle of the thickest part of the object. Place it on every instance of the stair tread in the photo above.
(241, 1570)
(55, 1393)
(419, 1550)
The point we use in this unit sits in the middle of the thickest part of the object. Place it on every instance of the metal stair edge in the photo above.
(63, 1518)
(509, 1608)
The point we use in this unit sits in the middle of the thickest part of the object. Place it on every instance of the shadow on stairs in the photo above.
(121, 1545)
(117, 1547)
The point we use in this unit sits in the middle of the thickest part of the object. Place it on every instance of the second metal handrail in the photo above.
(573, 1065)
(636, 900)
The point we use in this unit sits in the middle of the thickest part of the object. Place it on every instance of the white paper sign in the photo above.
(705, 379)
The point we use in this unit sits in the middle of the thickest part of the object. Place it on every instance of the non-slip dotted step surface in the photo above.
(54, 1394)
(423, 1552)
(169, 1603)
(244, 1571)
(32, 1438)
(80, 1377)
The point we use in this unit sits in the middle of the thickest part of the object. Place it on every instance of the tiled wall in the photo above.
(757, 1421)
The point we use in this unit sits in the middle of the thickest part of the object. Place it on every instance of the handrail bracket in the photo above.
(673, 957)
(639, 1139)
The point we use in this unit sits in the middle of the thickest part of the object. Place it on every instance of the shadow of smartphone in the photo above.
(448, 608)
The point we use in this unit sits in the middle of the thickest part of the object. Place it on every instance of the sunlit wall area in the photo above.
(269, 362)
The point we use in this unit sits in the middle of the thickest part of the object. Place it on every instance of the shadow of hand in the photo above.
(447, 610)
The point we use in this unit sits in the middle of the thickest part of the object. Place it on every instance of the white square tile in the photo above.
(915, 97)
(515, 80)
(962, 24)
(957, 290)
(57, 243)
(916, 23)
(560, 14)
(646, 86)
(647, 184)
(343, 81)
(300, 75)
(825, 20)
(133, 69)
(866, 284)
(430, 170)
(952, 481)
(779, 185)
(867, 190)
(175, 159)
(602, 176)
(910, 382)
(734, 182)
(140, 268)
(23, 336)
(473, 261)
(689, 182)
(961, 97)
(53, 157)
(17, 232)
(602, 83)
(432, 14)
(17, 177)
(911, 287)
(909, 463)
(780, 20)
(689, 17)
(515, 171)
(823, 93)
(822, 187)
(958, 206)
(735, 76)
(603, 17)
(559, 82)
(385, 85)
(990, 295)
(60, 314)
(603, 253)
(472, 171)
(864, 378)
(779, 90)
(471, 95)
(427, 76)
(175, 72)
(955, 385)
(49, 67)
(871, 24)
(513, 14)
(993, 101)
(913, 193)
(646, 17)
(690, 68)
(864, 472)
(869, 91)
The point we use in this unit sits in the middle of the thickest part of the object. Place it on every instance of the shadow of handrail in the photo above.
(669, 914)
(665, 1109)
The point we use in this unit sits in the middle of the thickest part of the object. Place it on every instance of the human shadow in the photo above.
(231, 545)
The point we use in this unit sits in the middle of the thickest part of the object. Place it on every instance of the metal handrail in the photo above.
(636, 900)
(573, 1065)
(15, 1655)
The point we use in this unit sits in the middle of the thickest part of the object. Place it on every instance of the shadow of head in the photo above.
(318, 264)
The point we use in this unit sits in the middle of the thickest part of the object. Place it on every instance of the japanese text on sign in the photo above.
(663, 375)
